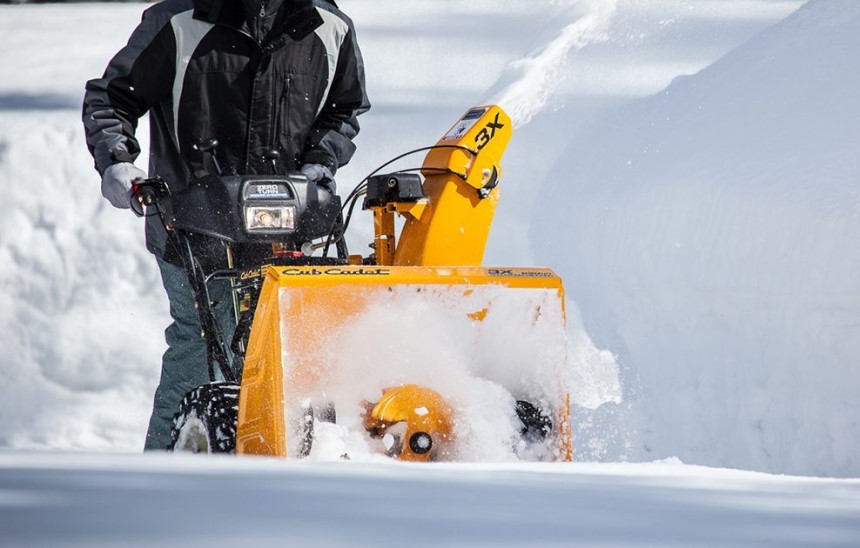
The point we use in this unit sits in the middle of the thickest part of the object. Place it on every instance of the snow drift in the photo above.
(709, 235)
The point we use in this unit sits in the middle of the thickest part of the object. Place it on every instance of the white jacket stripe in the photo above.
(189, 32)
(332, 33)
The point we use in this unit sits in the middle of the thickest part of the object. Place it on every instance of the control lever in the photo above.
(209, 146)
(272, 156)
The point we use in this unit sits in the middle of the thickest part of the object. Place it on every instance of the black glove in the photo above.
(317, 173)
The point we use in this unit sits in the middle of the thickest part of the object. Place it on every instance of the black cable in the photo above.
(363, 184)
(139, 209)
(135, 201)
(196, 278)
(347, 220)
(422, 149)
(355, 200)
(430, 168)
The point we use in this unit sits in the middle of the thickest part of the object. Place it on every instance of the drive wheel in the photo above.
(206, 421)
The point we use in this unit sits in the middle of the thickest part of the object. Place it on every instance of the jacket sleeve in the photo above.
(330, 140)
(138, 77)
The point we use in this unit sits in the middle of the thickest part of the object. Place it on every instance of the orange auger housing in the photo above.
(383, 330)
(425, 422)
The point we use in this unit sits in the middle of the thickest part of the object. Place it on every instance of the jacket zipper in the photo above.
(276, 117)
(250, 130)
(261, 23)
(287, 90)
(263, 53)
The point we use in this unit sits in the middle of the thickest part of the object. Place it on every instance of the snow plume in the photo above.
(526, 84)
(595, 371)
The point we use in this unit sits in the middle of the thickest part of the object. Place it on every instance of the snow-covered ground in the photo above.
(168, 500)
(705, 224)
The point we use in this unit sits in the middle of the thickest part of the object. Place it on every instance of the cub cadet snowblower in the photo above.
(415, 351)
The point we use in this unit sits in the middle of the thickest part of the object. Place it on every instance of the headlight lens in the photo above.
(263, 218)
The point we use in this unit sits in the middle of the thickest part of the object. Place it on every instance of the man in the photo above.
(258, 76)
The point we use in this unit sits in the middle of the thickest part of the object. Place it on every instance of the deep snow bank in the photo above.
(709, 235)
(82, 314)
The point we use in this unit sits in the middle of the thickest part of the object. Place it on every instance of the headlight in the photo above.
(264, 218)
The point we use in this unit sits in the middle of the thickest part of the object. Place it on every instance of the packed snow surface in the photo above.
(170, 500)
(690, 170)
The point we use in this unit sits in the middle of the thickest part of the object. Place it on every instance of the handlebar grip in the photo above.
(148, 192)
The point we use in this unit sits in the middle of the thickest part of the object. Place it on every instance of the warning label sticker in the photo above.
(463, 125)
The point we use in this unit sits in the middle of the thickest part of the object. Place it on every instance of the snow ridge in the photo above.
(711, 232)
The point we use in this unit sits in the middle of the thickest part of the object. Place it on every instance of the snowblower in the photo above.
(414, 351)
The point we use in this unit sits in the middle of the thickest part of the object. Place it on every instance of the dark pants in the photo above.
(184, 365)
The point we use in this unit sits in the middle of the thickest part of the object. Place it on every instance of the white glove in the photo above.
(116, 183)
(317, 173)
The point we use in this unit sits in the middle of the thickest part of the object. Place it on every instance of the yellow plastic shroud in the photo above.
(305, 315)
(304, 312)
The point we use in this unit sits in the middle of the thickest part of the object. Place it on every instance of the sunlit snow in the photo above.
(687, 167)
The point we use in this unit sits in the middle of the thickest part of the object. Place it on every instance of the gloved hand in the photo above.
(116, 183)
(317, 173)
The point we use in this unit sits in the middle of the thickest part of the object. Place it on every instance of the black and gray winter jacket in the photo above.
(203, 70)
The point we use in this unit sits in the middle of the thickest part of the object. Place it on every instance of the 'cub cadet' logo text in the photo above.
(335, 271)
(255, 273)
(331, 271)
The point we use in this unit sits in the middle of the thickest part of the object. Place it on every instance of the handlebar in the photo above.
(147, 193)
